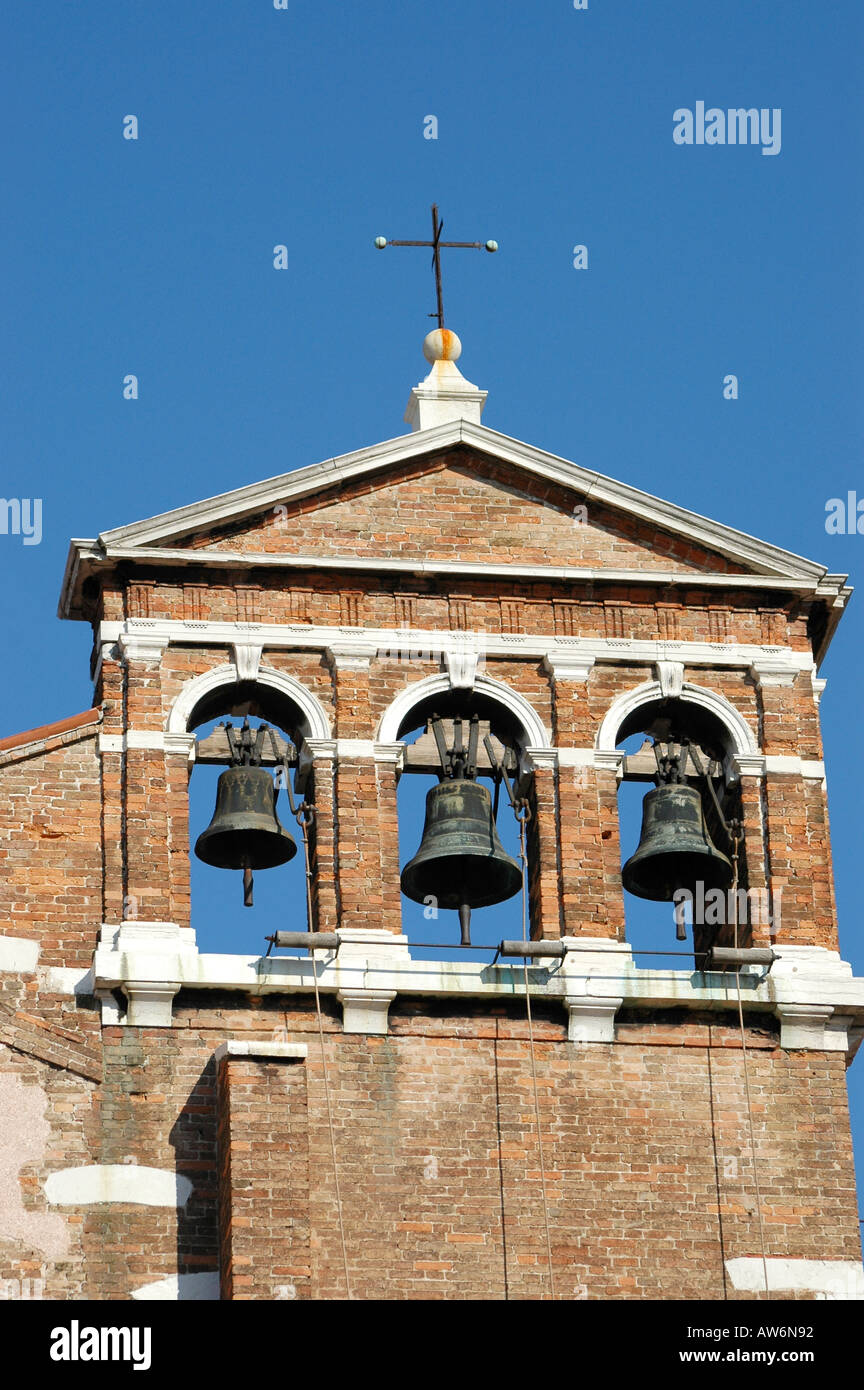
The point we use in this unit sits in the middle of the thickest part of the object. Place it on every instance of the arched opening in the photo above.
(679, 841)
(221, 920)
(437, 733)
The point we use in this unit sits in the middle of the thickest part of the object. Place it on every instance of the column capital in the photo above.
(609, 760)
(747, 764)
(564, 665)
(139, 644)
(351, 653)
(389, 753)
(767, 671)
(320, 749)
(365, 1010)
(812, 1026)
(183, 745)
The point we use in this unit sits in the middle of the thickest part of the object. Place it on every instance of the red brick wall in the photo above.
(649, 1181)
(51, 846)
(646, 1147)
(502, 604)
(263, 1179)
(493, 509)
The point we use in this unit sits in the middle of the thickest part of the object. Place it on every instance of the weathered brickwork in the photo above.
(647, 611)
(649, 1179)
(494, 510)
(264, 1180)
(51, 833)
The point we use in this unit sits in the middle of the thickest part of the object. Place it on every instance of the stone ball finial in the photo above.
(442, 345)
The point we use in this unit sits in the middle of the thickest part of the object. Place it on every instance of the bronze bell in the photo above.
(245, 832)
(461, 861)
(675, 850)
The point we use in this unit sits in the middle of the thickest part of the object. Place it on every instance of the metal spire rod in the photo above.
(436, 244)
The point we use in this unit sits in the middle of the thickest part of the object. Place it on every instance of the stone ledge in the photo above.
(269, 1050)
(813, 991)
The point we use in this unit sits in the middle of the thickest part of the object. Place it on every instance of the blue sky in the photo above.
(304, 127)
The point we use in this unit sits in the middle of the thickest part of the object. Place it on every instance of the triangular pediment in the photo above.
(458, 505)
(477, 462)
(458, 498)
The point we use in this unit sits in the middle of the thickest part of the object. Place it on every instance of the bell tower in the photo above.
(556, 1116)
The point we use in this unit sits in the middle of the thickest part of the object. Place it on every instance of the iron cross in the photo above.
(436, 243)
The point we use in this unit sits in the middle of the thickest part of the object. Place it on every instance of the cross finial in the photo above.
(436, 244)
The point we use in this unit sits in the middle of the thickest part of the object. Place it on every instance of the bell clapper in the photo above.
(247, 885)
(465, 922)
(680, 924)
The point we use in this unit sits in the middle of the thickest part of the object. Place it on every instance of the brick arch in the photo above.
(534, 731)
(314, 721)
(625, 705)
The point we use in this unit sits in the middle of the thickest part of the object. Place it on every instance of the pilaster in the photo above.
(264, 1175)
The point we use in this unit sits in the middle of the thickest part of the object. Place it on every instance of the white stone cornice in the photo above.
(812, 991)
(564, 664)
(571, 574)
(152, 740)
(369, 641)
(579, 757)
(790, 766)
(354, 748)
